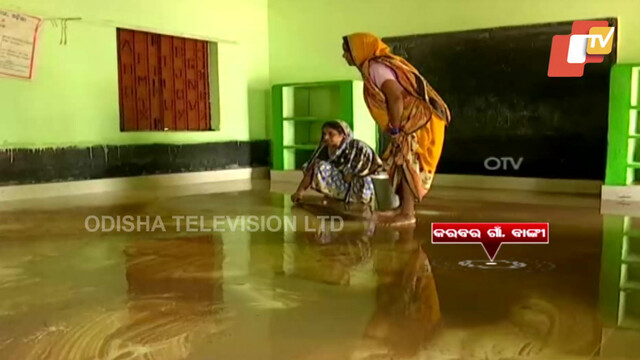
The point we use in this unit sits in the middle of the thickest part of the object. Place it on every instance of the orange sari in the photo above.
(416, 151)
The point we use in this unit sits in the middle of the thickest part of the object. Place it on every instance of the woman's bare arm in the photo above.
(393, 93)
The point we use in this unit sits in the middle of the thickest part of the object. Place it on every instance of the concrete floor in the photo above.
(361, 293)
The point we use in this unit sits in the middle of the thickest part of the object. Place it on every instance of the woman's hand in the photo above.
(395, 140)
(296, 197)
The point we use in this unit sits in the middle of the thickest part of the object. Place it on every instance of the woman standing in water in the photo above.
(406, 107)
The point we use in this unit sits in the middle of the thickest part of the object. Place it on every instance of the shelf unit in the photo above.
(623, 152)
(299, 110)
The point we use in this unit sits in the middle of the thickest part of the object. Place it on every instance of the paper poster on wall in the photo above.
(18, 39)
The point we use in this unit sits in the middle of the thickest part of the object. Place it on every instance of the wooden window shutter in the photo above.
(163, 82)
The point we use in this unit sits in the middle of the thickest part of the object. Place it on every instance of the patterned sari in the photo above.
(354, 158)
(417, 149)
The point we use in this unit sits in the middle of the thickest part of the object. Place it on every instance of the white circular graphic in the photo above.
(525, 265)
(500, 264)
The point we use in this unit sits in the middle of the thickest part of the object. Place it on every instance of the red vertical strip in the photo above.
(207, 95)
(179, 82)
(120, 101)
(142, 80)
(168, 91)
(155, 94)
(127, 80)
(203, 78)
(191, 61)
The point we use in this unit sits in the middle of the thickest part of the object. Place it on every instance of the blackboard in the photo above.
(504, 106)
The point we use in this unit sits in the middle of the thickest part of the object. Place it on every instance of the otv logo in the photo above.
(503, 163)
(588, 42)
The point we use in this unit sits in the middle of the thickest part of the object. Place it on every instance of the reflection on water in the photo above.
(408, 323)
(620, 288)
(175, 298)
(407, 310)
(329, 257)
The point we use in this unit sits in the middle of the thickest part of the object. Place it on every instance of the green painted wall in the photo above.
(73, 99)
(305, 36)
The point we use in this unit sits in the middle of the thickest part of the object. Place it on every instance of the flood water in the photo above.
(360, 292)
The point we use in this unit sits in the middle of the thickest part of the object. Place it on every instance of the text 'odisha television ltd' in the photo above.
(196, 223)
(490, 235)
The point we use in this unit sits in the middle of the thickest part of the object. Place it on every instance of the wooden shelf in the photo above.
(299, 110)
(631, 259)
(302, 146)
(630, 323)
(305, 118)
(623, 119)
(630, 286)
(632, 233)
(311, 84)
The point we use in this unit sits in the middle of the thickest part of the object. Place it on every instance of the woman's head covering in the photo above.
(339, 125)
(353, 156)
(322, 152)
(365, 47)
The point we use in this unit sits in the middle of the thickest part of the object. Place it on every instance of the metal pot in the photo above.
(386, 199)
